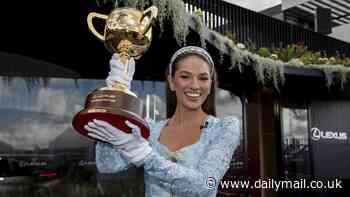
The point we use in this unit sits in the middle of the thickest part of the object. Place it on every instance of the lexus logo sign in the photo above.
(317, 134)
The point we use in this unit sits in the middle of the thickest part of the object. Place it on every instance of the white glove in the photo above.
(132, 146)
(117, 71)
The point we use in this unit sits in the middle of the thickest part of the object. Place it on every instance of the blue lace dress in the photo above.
(193, 170)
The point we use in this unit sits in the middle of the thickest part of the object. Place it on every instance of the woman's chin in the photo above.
(193, 106)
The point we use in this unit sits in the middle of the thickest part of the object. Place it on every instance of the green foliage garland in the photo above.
(268, 65)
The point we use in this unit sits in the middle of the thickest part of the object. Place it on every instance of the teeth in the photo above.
(192, 94)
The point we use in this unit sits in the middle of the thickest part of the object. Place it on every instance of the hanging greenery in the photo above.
(237, 57)
(163, 15)
(267, 64)
(220, 43)
(180, 20)
(199, 26)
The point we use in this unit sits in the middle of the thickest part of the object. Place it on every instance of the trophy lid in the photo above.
(128, 24)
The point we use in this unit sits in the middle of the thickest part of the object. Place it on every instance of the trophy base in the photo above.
(114, 107)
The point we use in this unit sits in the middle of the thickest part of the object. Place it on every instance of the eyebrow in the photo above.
(186, 72)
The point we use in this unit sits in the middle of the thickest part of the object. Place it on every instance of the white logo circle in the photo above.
(315, 133)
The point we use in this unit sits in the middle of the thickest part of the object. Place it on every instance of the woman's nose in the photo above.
(194, 83)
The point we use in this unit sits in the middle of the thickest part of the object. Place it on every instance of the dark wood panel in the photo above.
(331, 156)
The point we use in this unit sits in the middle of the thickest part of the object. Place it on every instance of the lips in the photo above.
(193, 95)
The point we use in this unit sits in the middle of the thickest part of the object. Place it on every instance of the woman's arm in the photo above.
(213, 165)
(108, 159)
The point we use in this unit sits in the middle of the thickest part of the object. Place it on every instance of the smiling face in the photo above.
(191, 82)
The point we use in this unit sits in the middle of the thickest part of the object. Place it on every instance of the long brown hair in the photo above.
(171, 101)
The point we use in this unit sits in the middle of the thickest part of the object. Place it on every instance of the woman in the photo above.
(186, 154)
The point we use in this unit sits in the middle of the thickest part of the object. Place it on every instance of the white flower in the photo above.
(274, 56)
(240, 46)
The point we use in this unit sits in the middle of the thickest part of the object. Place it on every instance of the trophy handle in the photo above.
(152, 12)
(91, 25)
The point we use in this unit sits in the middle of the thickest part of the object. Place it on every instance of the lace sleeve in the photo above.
(186, 181)
(109, 160)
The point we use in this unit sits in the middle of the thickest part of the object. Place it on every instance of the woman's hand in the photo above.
(132, 146)
(118, 73)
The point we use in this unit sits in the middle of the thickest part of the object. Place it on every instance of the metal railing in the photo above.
(262, 30)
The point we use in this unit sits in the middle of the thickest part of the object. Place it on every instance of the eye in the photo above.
(184, 76)
(204, 78)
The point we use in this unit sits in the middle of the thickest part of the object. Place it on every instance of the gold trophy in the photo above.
(128, 32)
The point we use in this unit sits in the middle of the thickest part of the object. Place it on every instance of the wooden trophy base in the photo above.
(114, 107)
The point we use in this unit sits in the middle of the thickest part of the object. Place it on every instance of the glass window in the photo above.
(295, 143)
(40, 154)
